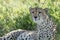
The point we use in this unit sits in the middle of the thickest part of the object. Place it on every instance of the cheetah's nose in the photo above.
(35, 17)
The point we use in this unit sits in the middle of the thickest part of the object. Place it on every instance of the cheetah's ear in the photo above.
(46, 10)
(30, 9)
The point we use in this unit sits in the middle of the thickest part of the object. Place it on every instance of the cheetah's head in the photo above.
(38, 13)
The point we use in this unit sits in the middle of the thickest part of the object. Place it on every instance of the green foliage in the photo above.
(14, 14)
(25, 23)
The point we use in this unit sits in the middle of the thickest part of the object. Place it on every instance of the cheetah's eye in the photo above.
(32, 12)
(39, 12)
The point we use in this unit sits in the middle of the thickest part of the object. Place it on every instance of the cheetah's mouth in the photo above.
(35, 19)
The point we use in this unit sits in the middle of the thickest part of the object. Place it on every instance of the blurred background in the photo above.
(14, 14)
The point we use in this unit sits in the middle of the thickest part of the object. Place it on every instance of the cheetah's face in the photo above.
(38, 13)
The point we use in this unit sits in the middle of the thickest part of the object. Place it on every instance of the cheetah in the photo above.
(19, 35)
(45, 26)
